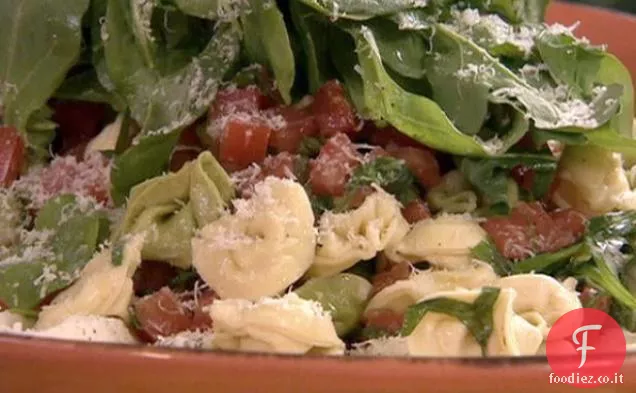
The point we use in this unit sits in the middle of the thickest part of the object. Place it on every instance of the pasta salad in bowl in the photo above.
(424, 179)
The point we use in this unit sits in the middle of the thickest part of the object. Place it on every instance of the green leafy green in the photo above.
(487, 252)
(211, 9)
(387, 172)
(476, 316)
(543, 263)
(85, 86)
(267, 42)
(361, 10)
(40, 42)
(162, 104)
(144, 160)
(492, 176)
(69, 238)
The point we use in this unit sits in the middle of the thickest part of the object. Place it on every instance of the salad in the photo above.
(399, 177)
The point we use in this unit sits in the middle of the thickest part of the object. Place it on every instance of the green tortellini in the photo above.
(344, 295)
(454, 195)
(170, 208)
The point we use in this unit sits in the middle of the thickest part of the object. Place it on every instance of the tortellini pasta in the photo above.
(103, 288)
(343, 295)
(442, 335)
(444, 242)
(344, 239)
(453, 195)
(12, 322)
(288, 325)
(541, 299)
(89, 328)
(592, 180)
(403, 294)
(261, 249)
(169, 209)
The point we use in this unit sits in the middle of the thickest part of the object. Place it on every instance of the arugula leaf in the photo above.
(29, 76)
(416, 116)
(477, 317)
(487, 252)
(491, 176)
(74, 236)
(267, 43)
(361, 10)
(143, 161)
(387, 172)
(162, 104)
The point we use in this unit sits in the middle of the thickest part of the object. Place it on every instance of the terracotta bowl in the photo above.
(34, 365)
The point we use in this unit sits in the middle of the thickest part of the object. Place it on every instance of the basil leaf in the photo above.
(28, 276)
(40, 41)
(267, 43)
(487, 252)
(162, 104)
(491, 176)
(477, 317)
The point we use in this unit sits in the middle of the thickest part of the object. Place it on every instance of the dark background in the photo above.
(621, 5)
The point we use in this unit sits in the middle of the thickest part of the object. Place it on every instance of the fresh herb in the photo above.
(310, 147)
(389, 173)
(487, 252)
(476, 316)
(117, 254)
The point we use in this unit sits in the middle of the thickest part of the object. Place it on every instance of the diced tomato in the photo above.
(524, 176)
(420, 161)
(152, 276)
(394, 273)
(299, 123)
(232, 101)
(161, 314)
(385, 320)
(282, 165)
(416, 211)
(188, 148)
(11, 155)
(78, 122)
(334, 113)
(165, 313)
(243, 143)
(531, 230)
(331, 170)
(90, 178)
(388, 136)
(3, 305)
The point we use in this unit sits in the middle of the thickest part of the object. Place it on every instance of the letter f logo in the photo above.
(583, 344)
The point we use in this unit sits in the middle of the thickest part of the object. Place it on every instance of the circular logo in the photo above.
(586, 348)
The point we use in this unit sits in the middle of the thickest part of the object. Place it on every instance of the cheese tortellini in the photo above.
(103, 288)
(444, 242)
(592, 180)
(541, 299)
(344, 239)
(288, 325)
(89, 328)
(403, 294)
(261, 249)
(442, 335)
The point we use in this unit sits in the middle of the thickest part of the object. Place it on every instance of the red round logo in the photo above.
(586, 348)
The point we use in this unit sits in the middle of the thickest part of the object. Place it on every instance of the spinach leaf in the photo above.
(310, 28)
(267, 43)
(491, 176)
(613, 71)
(516, 11)
(40, 41)
(85, 86)
(487, 252)
(416, 116)
(68, 238)
(361, 10)
(477, 317)
(211, 9)
(570, 61)
(550, 107)
(41, 133)
(144, 160)
(162, 104)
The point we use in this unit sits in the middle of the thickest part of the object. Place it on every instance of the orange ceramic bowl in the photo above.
(35, 365)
